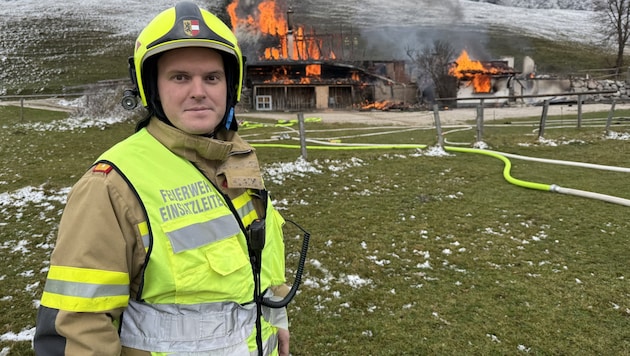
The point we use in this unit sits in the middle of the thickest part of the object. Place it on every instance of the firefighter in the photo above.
(152, 254)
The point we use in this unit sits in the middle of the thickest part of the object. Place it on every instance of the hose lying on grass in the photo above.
(499, 155)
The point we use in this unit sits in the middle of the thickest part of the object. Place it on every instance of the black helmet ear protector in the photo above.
(130, 96)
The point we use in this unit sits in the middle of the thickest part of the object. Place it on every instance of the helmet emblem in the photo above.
(191, 27)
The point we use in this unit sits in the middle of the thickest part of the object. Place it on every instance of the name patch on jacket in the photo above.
(189, 199)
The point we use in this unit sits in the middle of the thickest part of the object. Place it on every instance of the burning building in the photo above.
(489, 79)
(498, 83)
(291, 67)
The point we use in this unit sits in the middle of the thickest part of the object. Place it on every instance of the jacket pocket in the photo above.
(226, 256)
(216, 272)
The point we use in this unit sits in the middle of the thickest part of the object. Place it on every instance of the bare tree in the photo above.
(613, 17)
(434, 61)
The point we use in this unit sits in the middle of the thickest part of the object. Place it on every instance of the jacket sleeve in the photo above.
(274, 265)
(93, 268)
(273, 259)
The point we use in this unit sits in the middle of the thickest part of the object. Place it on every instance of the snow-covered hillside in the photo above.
(545, 4)
(43, 39)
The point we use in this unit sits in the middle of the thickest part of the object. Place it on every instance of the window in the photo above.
(263, 103)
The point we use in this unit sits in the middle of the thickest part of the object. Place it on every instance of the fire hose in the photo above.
(499, 155)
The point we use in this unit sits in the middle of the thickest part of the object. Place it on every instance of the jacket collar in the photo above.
(195, 147)
(235, 159)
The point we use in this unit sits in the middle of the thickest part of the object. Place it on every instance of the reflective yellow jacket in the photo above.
(97, 267)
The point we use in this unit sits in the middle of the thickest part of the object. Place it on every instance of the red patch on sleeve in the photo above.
(102, 168)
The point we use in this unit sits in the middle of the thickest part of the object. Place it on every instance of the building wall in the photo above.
(321, 97)
(503, 87)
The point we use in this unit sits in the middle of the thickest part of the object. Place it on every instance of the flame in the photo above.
(478, 74)
(266, 22)
(280, 75)
(313, 70)
(293, 44)
(378, 105)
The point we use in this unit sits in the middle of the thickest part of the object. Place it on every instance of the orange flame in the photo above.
(478, 74)
(266, 22)
(313, 70)
(280, 75)
(295, 45)
(378, 105)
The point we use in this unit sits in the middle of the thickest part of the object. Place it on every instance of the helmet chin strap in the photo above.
(229, 118)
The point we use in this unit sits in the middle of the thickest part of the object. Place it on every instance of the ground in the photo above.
(447, 117)
(377, 117)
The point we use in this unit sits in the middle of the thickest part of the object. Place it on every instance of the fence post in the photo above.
(302, 134)
(610, 117)
(21, 109)
(543, 119)
(480, 120)
(579, 118)
(438, 125)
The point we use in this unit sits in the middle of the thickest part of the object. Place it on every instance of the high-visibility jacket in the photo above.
(195, 291)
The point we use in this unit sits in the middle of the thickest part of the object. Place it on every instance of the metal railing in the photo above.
(543, 117)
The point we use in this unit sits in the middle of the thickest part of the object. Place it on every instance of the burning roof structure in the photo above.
(275, 35)
(498, 83)
(480, 75)
(292, 67)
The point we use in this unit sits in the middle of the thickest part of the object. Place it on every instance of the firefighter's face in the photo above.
(192, 88)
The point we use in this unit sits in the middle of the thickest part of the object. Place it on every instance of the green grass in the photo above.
(515, 281)
(410, 253)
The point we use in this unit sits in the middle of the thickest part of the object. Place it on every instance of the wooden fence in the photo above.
(543, 116)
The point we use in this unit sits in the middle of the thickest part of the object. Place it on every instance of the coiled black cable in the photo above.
(298, 275)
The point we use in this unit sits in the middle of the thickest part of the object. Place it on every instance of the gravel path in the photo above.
(43, 104)
(405, 118)
(447, 117)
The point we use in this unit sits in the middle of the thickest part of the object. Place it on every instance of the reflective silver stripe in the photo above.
(277, 317)
(85, 290)
(269, 346)
(245, 209)
(201, 234)
(222, 328)
(146, 241)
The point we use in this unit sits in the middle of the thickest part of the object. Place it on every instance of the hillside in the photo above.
(545, 4)
(47, 47)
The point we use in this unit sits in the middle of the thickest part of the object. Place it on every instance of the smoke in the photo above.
(247, 8)
(413, 25)
(378, 29)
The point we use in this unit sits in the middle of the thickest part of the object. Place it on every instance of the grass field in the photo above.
(413, 251)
